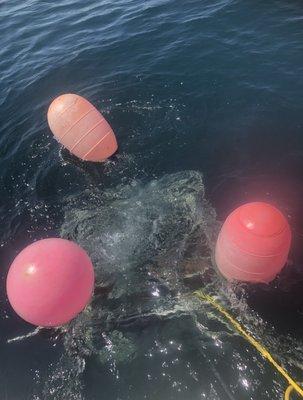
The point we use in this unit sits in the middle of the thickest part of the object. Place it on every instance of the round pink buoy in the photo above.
(253, 244)
(81, 128)
(50, 282)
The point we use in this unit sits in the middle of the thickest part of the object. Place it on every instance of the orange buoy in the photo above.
(253, 243)
(81, 128)
(50, 282)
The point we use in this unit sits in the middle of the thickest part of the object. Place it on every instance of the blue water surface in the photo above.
(205, 97)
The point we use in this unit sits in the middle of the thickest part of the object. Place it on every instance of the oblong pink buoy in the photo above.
(81, 128)
(253, 244)
(50, 282)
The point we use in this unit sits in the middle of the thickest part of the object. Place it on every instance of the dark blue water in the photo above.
(205, 98)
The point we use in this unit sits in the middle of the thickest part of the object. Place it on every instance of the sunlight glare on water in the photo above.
(205, 99)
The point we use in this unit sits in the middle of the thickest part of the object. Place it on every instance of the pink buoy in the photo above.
(81, 128)
(50, 282)
(253, 244)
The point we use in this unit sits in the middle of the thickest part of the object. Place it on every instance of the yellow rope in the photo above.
(287, 392)
(292, 384)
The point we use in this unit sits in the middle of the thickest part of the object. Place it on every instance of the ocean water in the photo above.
(205, 98)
